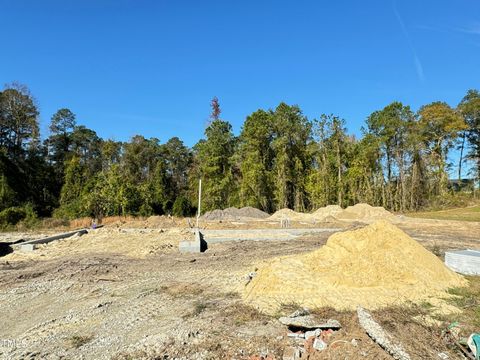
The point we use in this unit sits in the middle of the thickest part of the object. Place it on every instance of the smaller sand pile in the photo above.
(364, 213)
(327, 213)
(290, 215)
(372, 267)
(233, 213)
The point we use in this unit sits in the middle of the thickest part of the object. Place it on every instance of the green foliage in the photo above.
(145, 210)
(19, 130)
(470, 110)
(292, 133)
(12, 216)
(280, 159)
(7, 195)
(256, 157)
(215, 163)
(15, 215)
(182, 207)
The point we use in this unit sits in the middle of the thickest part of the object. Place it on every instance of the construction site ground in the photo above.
(125, 292)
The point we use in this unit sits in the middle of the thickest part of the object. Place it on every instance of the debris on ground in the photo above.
(305, 329)
(374, 267)
(380, 336)
(474, 345)
(303, 320)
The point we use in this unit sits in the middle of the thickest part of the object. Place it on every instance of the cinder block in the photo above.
(27, 247)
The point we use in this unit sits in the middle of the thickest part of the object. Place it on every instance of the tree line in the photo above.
(280, 159)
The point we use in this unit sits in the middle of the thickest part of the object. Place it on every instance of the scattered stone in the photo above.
(319, 344)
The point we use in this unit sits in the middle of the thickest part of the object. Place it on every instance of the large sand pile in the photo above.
(374, 267)
(359, 212)
(290, 215)
(364, 213)
(233, 213)
(327, 212)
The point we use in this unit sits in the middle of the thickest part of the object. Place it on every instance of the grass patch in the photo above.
(241, 314)
(199, 307)
(468, 300)
(77, 341)
(471, 213)
(287, 309)
(177, 291)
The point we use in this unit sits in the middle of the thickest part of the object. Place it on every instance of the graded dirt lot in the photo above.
(125, 292)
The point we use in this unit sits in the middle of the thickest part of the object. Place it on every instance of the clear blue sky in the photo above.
(130, 67)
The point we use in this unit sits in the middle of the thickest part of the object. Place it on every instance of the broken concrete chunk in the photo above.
(296, 335)
(309, 322)
(380, 336)
(311, 333)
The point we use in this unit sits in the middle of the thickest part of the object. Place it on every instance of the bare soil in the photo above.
(95, 302)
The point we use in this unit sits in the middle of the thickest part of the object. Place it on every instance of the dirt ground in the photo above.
(125, 292)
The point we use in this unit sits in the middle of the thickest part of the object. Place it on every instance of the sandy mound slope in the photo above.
(327, 212)
(364, 213)
(233, 213)
(290, 215)
(359, 212)
(374, 267)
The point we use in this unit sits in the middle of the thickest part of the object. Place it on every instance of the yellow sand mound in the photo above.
(290, 214)
(364, 213)
(327, 212)
(374, 267)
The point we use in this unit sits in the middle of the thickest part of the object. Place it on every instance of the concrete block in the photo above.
(27, 247)
(196, 246)
(189, 247)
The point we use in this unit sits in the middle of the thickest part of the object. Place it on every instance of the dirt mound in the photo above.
(327, 212)
(233, 213)
(373, 267)
(364, 213)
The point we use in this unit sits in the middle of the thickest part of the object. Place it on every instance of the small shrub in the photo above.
(31, 219)
(12, 216)
(199, 307)
(77, 341)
